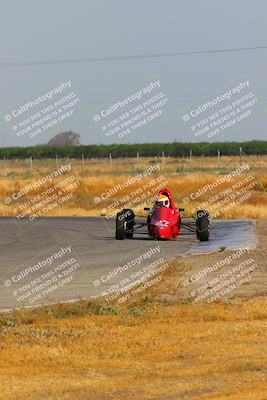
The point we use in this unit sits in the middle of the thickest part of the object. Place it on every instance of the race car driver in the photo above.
(162, 201)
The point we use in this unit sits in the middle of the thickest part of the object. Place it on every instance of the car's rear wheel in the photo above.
(203, 225)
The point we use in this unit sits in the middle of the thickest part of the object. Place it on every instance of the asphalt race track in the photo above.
(67, 258)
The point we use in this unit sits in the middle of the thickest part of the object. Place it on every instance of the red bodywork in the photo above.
(164, 222)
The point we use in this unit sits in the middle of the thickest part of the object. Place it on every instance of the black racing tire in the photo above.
(148, 222)
(203, 225)
(120, 224)
(129, 223)
(125, 224)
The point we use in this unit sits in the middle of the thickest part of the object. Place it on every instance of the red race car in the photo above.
(163, 221)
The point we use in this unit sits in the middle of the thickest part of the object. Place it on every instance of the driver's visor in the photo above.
(162, 203)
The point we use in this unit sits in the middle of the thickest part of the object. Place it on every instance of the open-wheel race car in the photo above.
(163, 221)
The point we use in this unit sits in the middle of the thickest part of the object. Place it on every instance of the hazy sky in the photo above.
(34, 33)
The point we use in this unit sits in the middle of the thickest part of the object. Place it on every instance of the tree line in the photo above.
(175, 149)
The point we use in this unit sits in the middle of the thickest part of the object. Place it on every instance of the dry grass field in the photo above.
(162, 345)
(185, 177)
(146, 350)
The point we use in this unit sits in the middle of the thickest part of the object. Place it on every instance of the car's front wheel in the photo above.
(203, 225)
(119, 227)
(125, 224)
